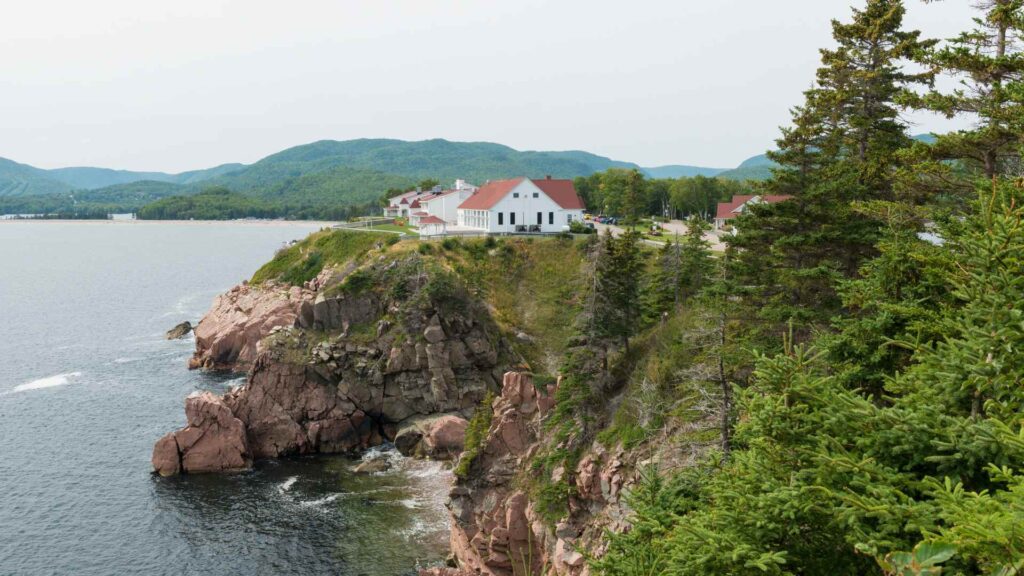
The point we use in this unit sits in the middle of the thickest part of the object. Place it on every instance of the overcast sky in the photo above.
(192, 83)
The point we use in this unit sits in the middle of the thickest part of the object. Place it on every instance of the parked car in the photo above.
(612, 221)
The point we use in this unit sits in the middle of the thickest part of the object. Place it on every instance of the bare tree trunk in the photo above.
(726, 391)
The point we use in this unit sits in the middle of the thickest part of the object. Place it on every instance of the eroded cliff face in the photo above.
(229, 335)
(340, 369)
(496, 526)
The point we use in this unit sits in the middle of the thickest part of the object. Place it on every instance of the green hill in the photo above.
(90, 178)
(754, 168)
(21, 179)
(681, 171)
(442, 159)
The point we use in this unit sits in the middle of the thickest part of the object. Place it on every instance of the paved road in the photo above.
(670, 229)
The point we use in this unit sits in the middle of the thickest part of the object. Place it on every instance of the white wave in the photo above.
(319, 501)
(125, 360)
(287, 484)
(48, 382)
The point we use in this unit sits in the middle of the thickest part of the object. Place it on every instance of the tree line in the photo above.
(858, 348)
(628, 194)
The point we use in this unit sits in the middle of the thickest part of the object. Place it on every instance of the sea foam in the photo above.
(48, 382)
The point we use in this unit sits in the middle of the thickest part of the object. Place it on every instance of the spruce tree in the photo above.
(841, 148)
(990, 66)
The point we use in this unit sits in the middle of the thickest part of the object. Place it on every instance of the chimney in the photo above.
(547, 177)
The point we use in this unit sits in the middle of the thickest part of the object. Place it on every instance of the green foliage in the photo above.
(924, 560)
(618, 272)
(476, 433)
(577, 227)
(216, 203)
(303, 261)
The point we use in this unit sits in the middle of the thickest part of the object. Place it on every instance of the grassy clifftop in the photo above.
(533, 287)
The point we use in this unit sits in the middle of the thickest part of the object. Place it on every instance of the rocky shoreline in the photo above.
(335, 369)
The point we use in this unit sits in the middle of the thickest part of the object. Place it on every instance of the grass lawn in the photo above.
(394, 228)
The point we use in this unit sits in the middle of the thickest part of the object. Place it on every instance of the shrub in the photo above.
(357, 282)
(425, 248)
(476, 434)
(305, 270)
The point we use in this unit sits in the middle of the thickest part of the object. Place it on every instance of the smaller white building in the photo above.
(432, 226)
(522, 205)
(436, 202)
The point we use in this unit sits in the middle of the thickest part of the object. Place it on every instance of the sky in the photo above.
(189, 84)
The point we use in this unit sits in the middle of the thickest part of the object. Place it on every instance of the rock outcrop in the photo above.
(213, 441)
(179, 331)
(228, 336)
(497, 530)
(341, 372)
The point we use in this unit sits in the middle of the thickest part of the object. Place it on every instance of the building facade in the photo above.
(522, 205)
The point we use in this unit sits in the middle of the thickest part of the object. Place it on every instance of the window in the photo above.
(501, 218)
(535, 195)
(568, 218)
(540, 218)
(551, 217)
(515, 194)
(512, 218)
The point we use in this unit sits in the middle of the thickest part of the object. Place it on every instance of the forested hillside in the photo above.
(308, 179)
(855, 383)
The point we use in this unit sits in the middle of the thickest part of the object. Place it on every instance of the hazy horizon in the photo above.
(179, 87)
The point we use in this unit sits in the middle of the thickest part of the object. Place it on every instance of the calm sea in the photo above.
(88, 383)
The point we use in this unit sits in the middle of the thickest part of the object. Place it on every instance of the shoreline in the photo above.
(318, 223)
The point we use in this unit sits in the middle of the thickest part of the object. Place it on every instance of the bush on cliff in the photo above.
(476, 433)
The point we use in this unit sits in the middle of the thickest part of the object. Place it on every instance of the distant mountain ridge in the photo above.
(395, 161)
(331, 172)
(474, 161)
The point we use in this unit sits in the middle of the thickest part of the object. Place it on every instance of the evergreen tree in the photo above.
(841, 148)
(618, 277)
(990, 66)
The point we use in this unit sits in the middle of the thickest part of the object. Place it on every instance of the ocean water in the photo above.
(88, 384)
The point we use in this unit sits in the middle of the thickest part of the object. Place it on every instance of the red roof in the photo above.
(729, 210)
(421, 213)
(415, 204)
(561, 192)
(430, 220)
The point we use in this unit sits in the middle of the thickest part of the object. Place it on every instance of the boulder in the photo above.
(434, 333)
(179, 331)
(374, 465)
(445, 436)
(440, 436)
(213, 441)
(166, 457)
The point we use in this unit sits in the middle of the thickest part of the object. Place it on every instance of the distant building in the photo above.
(522, 205)
(437, 202)
(729, 210)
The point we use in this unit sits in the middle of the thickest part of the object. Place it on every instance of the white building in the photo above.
(522, 205)
(437, 202)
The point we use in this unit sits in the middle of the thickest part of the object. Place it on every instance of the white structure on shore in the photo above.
(437, 202)
(521, 205)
